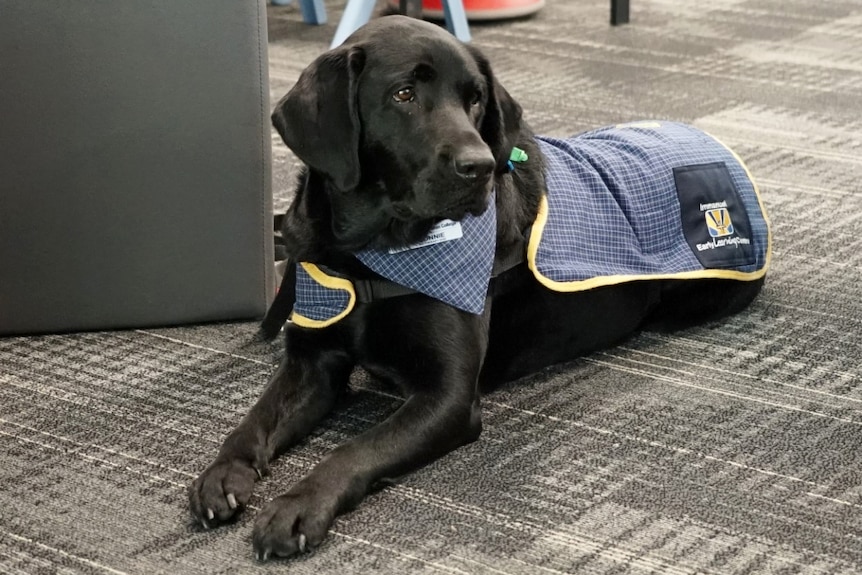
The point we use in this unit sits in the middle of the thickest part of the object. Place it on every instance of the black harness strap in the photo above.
(501, 281)
(371, 290)
(508, 274)
(280, 308)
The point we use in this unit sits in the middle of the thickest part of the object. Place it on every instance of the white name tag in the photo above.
(443, 231)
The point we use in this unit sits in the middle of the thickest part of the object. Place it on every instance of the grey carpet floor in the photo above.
(729, 448)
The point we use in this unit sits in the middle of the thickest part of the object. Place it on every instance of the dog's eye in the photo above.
(404, 95)
(477, 99)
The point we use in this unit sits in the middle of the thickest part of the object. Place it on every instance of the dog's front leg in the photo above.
(441, 413)
(424, 428)
(300, 393)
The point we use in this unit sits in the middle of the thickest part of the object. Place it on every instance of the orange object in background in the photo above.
(483, 9)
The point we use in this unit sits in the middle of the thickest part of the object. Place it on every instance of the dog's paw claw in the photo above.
(293, 523)
(263, 555)
(221, 492)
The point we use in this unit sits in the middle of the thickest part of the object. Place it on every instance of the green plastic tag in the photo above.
(518, 155)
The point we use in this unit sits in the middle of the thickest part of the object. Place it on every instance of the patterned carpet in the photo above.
(729, 448)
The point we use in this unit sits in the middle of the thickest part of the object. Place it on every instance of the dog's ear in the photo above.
(318, 119)
(501, 124)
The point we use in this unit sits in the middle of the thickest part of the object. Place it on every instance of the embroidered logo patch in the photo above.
(707, 194)
(718, 222)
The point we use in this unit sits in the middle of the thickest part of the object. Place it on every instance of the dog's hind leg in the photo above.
(300, 393)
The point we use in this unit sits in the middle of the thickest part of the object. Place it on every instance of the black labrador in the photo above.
(401, 127)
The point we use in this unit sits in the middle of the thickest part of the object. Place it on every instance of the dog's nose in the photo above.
(474, 165)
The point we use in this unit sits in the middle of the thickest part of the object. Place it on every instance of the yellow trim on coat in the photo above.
(330, 282)
(580, 285)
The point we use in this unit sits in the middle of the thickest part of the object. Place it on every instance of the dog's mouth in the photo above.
(457, 211)
(402, 211)
(474, 203)
(461, 210)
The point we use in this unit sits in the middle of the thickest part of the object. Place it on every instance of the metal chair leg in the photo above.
(356, 13)
(313, 11)
(619, 12)
(456, 19)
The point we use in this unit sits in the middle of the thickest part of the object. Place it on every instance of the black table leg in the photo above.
(619, 11)
(412, 8)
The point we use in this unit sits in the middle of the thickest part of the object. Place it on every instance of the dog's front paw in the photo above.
(220, 492)
(292, 523)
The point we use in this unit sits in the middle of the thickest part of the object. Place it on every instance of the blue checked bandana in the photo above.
(648, 200)
(454, 270)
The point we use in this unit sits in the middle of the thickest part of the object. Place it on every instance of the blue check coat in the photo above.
(647, 200)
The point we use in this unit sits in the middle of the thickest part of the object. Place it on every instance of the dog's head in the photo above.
(407, 114)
